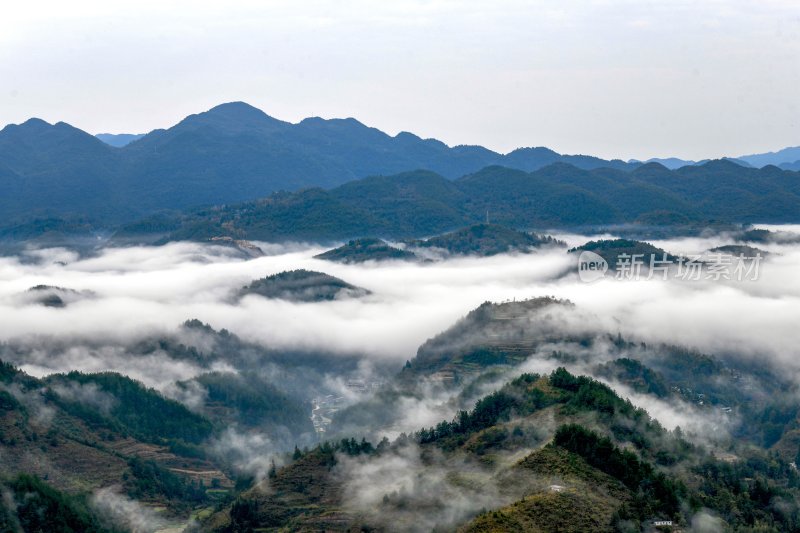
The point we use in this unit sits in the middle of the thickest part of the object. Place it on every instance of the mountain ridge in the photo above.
(232, 152)
(235, 153)
(423, 203)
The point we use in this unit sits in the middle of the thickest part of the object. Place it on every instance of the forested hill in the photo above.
(231, 153)
(542, 450)
(423, 203)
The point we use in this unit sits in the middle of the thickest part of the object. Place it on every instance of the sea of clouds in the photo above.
(139, 291)
(124, 295)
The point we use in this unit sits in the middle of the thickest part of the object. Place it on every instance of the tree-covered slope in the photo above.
(367, 249)
(119, 403)
(543, 453)
(492, 334)
(420, 203)
(480, 240)
(31, 505)
(485, 240)
(85, 432)
(302, 286)
(615, 251)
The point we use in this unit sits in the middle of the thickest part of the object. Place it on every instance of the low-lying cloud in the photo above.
(122, 512)
(402, 491)
(142, 291)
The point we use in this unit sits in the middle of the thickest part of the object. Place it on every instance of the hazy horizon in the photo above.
(394, 134)
(613, 79)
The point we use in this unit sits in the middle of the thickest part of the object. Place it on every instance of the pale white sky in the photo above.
(614, 78)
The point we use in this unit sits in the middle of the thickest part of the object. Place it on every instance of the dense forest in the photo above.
(422, 203)
(636, 471)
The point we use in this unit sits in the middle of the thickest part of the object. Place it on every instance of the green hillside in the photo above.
(247, 400)
(601, 464)
(31, 505)
(302, 286)
(614, 250)
(367, 249)
(78, 433)
(486, 240)
(420, 203)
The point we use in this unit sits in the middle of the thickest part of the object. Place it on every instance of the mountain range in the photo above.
(68, 180)
(423, 203)
(552, 452)
(787, 159)
(231, 153)
(673, 163)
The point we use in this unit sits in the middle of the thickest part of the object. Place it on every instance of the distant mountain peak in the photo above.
(670, 163)
(235, 109)
(347, 121)
(312, 120)
(408, 135)
(32, 125)
(651, 166)
(723, 164)
(535, 149)
(40, 133)
(233, 117)
(35, 122)
(786, 155)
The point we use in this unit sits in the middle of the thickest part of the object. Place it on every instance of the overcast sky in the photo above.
(613, 78)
